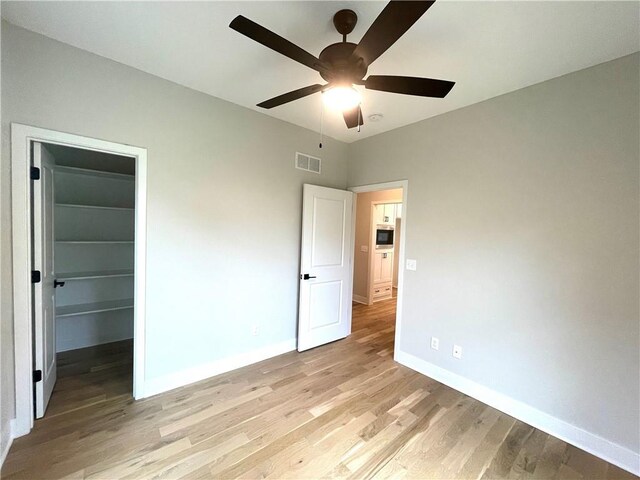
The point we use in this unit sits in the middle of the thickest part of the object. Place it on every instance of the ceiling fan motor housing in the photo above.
(344, 67)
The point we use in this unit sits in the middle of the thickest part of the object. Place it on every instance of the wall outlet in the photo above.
(254, 330)
(435, 343)
(457, 351)
(364, 248)
(412, 264)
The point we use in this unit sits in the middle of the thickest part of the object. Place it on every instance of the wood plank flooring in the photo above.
(90, 376)
(344, 410)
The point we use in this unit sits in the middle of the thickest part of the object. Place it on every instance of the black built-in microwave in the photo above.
(384, 237)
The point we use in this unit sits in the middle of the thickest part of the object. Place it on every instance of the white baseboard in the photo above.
(202, 372)
(64, 345)
(592, 443)
(360, 299)
(5, 450)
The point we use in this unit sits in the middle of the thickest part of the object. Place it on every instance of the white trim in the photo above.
(590, 442)
(208, 370)
(372, 252)
(5, 452)
(360, 298)
(21, 138)
(404, 184)
(352, 260)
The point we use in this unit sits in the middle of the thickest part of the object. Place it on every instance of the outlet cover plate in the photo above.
(457, 351)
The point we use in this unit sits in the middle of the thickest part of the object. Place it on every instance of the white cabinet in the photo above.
(382, 266)
(378, 214)
(382, 274)
(386, 213)
(389, 214)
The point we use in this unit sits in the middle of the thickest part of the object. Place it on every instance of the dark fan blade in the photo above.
(275, 42)
(291, 96)
(424, 87)
(396, 18)
(353, 117)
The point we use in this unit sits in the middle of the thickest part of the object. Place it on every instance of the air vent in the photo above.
(308, 163)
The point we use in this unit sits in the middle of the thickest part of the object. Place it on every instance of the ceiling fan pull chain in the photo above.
(321, 118)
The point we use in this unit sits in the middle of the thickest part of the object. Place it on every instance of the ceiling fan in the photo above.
(343, 65)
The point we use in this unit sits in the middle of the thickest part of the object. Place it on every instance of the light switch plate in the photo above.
(364, 248)
(412, 264)
(457, 351)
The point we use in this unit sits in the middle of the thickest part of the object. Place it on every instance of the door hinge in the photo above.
(34, 173)
(35, 276)
(37, 376)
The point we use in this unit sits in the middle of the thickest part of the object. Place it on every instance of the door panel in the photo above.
(376, 277)
(325, 296)
(325, 300)
(378, 214)
(328, 233)
(43, 260)
(389, 214)
(386, 273)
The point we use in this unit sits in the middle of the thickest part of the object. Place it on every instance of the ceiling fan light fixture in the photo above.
(341, 98)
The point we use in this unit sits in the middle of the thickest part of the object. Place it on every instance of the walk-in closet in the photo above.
(93, 251)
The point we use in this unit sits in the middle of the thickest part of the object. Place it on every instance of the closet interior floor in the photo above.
(92, 375)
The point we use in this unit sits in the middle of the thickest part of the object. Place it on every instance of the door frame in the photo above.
(376, 187)
(21, 138)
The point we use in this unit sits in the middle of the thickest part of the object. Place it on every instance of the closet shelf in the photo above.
(99, 207)
(94, 241)
(95, 173)
(95, 274)
(97, 307)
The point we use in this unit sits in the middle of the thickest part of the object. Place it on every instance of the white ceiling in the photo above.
(488, 48)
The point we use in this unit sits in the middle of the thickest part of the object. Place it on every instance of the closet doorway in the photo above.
(83, 222)
(79, 323)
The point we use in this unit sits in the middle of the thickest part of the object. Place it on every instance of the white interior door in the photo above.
(325, 276)
(43, 291)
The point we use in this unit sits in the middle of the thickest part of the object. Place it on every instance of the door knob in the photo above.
(306, 276)
(57, 283)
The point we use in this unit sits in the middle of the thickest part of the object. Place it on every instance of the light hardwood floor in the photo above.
(344, 410)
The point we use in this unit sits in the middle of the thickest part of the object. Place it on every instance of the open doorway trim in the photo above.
(376, 187)
(21, 138)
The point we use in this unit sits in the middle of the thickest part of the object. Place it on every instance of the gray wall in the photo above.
(523, 215)
(224, 199)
